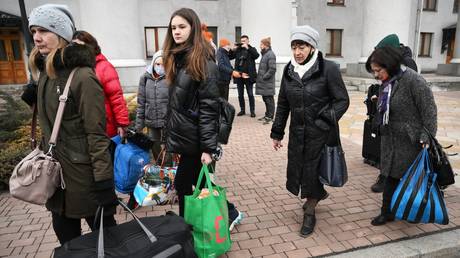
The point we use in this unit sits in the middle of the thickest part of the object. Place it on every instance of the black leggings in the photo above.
(388, 191)
(67, 229)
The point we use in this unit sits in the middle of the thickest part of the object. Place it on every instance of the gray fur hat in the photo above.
(55, 18)
(305, 33)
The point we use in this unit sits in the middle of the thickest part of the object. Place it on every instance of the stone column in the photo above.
(115, 25)
(276, 17)
(381, 18)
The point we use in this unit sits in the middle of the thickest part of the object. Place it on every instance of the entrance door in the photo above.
(12, 67)
(450, 51)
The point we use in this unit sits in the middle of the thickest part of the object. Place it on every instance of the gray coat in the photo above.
(265, 84)
(152, 102)
(412, 107)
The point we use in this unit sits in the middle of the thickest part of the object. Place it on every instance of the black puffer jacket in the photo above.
(245, 62)
(303, 99)
(193, 112)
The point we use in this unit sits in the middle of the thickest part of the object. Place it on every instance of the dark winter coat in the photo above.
(245, 62)
(407, 58)
(115, 104)
(152, 102)
(303, 99)
(224, 66)
(265, 84)
(412, 107)
(82, 146)
(193, 112)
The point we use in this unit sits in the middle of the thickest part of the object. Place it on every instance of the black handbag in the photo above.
(332, 166)
(165, 236)
(139, 139)
(440, 162)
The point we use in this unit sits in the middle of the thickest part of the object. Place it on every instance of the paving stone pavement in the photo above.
(254, 175)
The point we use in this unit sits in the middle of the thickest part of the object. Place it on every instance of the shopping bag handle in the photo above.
(100, 245)
(204, 171)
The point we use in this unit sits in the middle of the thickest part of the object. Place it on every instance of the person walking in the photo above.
(83, 146)
(405, 107)
(265, 84)
(311, 89)
(193, 111)
(245, 56)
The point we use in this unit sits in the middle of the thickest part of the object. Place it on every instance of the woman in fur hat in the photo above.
(82, 145)
(311, 88)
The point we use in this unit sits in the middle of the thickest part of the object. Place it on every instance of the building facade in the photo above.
(130, 31)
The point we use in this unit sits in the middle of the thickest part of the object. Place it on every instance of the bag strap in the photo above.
(336, 125)
(33, 131)
(204, 171)
(60, 111)
(100, 245)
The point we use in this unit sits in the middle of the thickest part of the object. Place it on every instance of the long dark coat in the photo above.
(303, 99)
(82, 144)
(412, 107)
(265, 84)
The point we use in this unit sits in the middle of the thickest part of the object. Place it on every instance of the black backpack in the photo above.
(227, 114)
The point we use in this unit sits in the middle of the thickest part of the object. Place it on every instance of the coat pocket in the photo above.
(76, 150)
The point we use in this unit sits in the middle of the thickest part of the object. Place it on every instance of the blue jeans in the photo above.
(249, 86)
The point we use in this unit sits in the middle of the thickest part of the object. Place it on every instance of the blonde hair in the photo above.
(49, 65)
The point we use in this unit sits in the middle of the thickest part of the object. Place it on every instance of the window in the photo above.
(425, 44)
(334, 42)
(336, 2)
(237, 34)
(455, 8)
(213, 30)
(429, 5)
(154, 38)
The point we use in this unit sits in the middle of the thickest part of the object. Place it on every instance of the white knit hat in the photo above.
(305, 33)
(55, 18)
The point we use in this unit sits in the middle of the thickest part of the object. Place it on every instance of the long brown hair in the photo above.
(49, 65)
(199, 50)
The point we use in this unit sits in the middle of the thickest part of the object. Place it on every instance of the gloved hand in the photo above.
(103, 193)
(323, 125)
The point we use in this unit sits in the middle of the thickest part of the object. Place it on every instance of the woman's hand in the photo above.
(121, 131)
(206, 158)
(277, 144)
(425, 144)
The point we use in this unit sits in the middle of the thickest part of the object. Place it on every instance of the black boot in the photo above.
(241, 113)
(379, 184)
(308, 225)
(382, 219)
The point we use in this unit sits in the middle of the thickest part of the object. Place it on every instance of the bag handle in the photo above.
(204, 171)
(60, 111)
(100, 245)
(33, 131)
(336, 125)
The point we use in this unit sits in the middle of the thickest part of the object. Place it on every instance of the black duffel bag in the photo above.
(159, 237)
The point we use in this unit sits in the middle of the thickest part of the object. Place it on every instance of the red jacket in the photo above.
(115, 104)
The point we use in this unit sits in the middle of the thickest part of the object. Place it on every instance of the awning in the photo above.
(9, 20)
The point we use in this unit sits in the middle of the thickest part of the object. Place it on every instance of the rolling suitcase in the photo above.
(165, 236)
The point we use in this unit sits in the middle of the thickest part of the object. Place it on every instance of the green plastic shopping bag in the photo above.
(206, 210)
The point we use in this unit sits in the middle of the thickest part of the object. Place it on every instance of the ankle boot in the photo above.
(308, 225)
(377, 187)
(382, 219)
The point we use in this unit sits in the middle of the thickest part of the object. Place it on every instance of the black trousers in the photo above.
(249, 89)
(269, 106)
(67, 229)
(223, 89)
(388, 191)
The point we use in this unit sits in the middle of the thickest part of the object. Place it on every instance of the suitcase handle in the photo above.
(100, 245)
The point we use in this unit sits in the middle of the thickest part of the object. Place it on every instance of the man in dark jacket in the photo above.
(224, 55)
(245, 56)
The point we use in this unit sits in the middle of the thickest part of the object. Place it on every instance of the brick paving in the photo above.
(254, 175)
